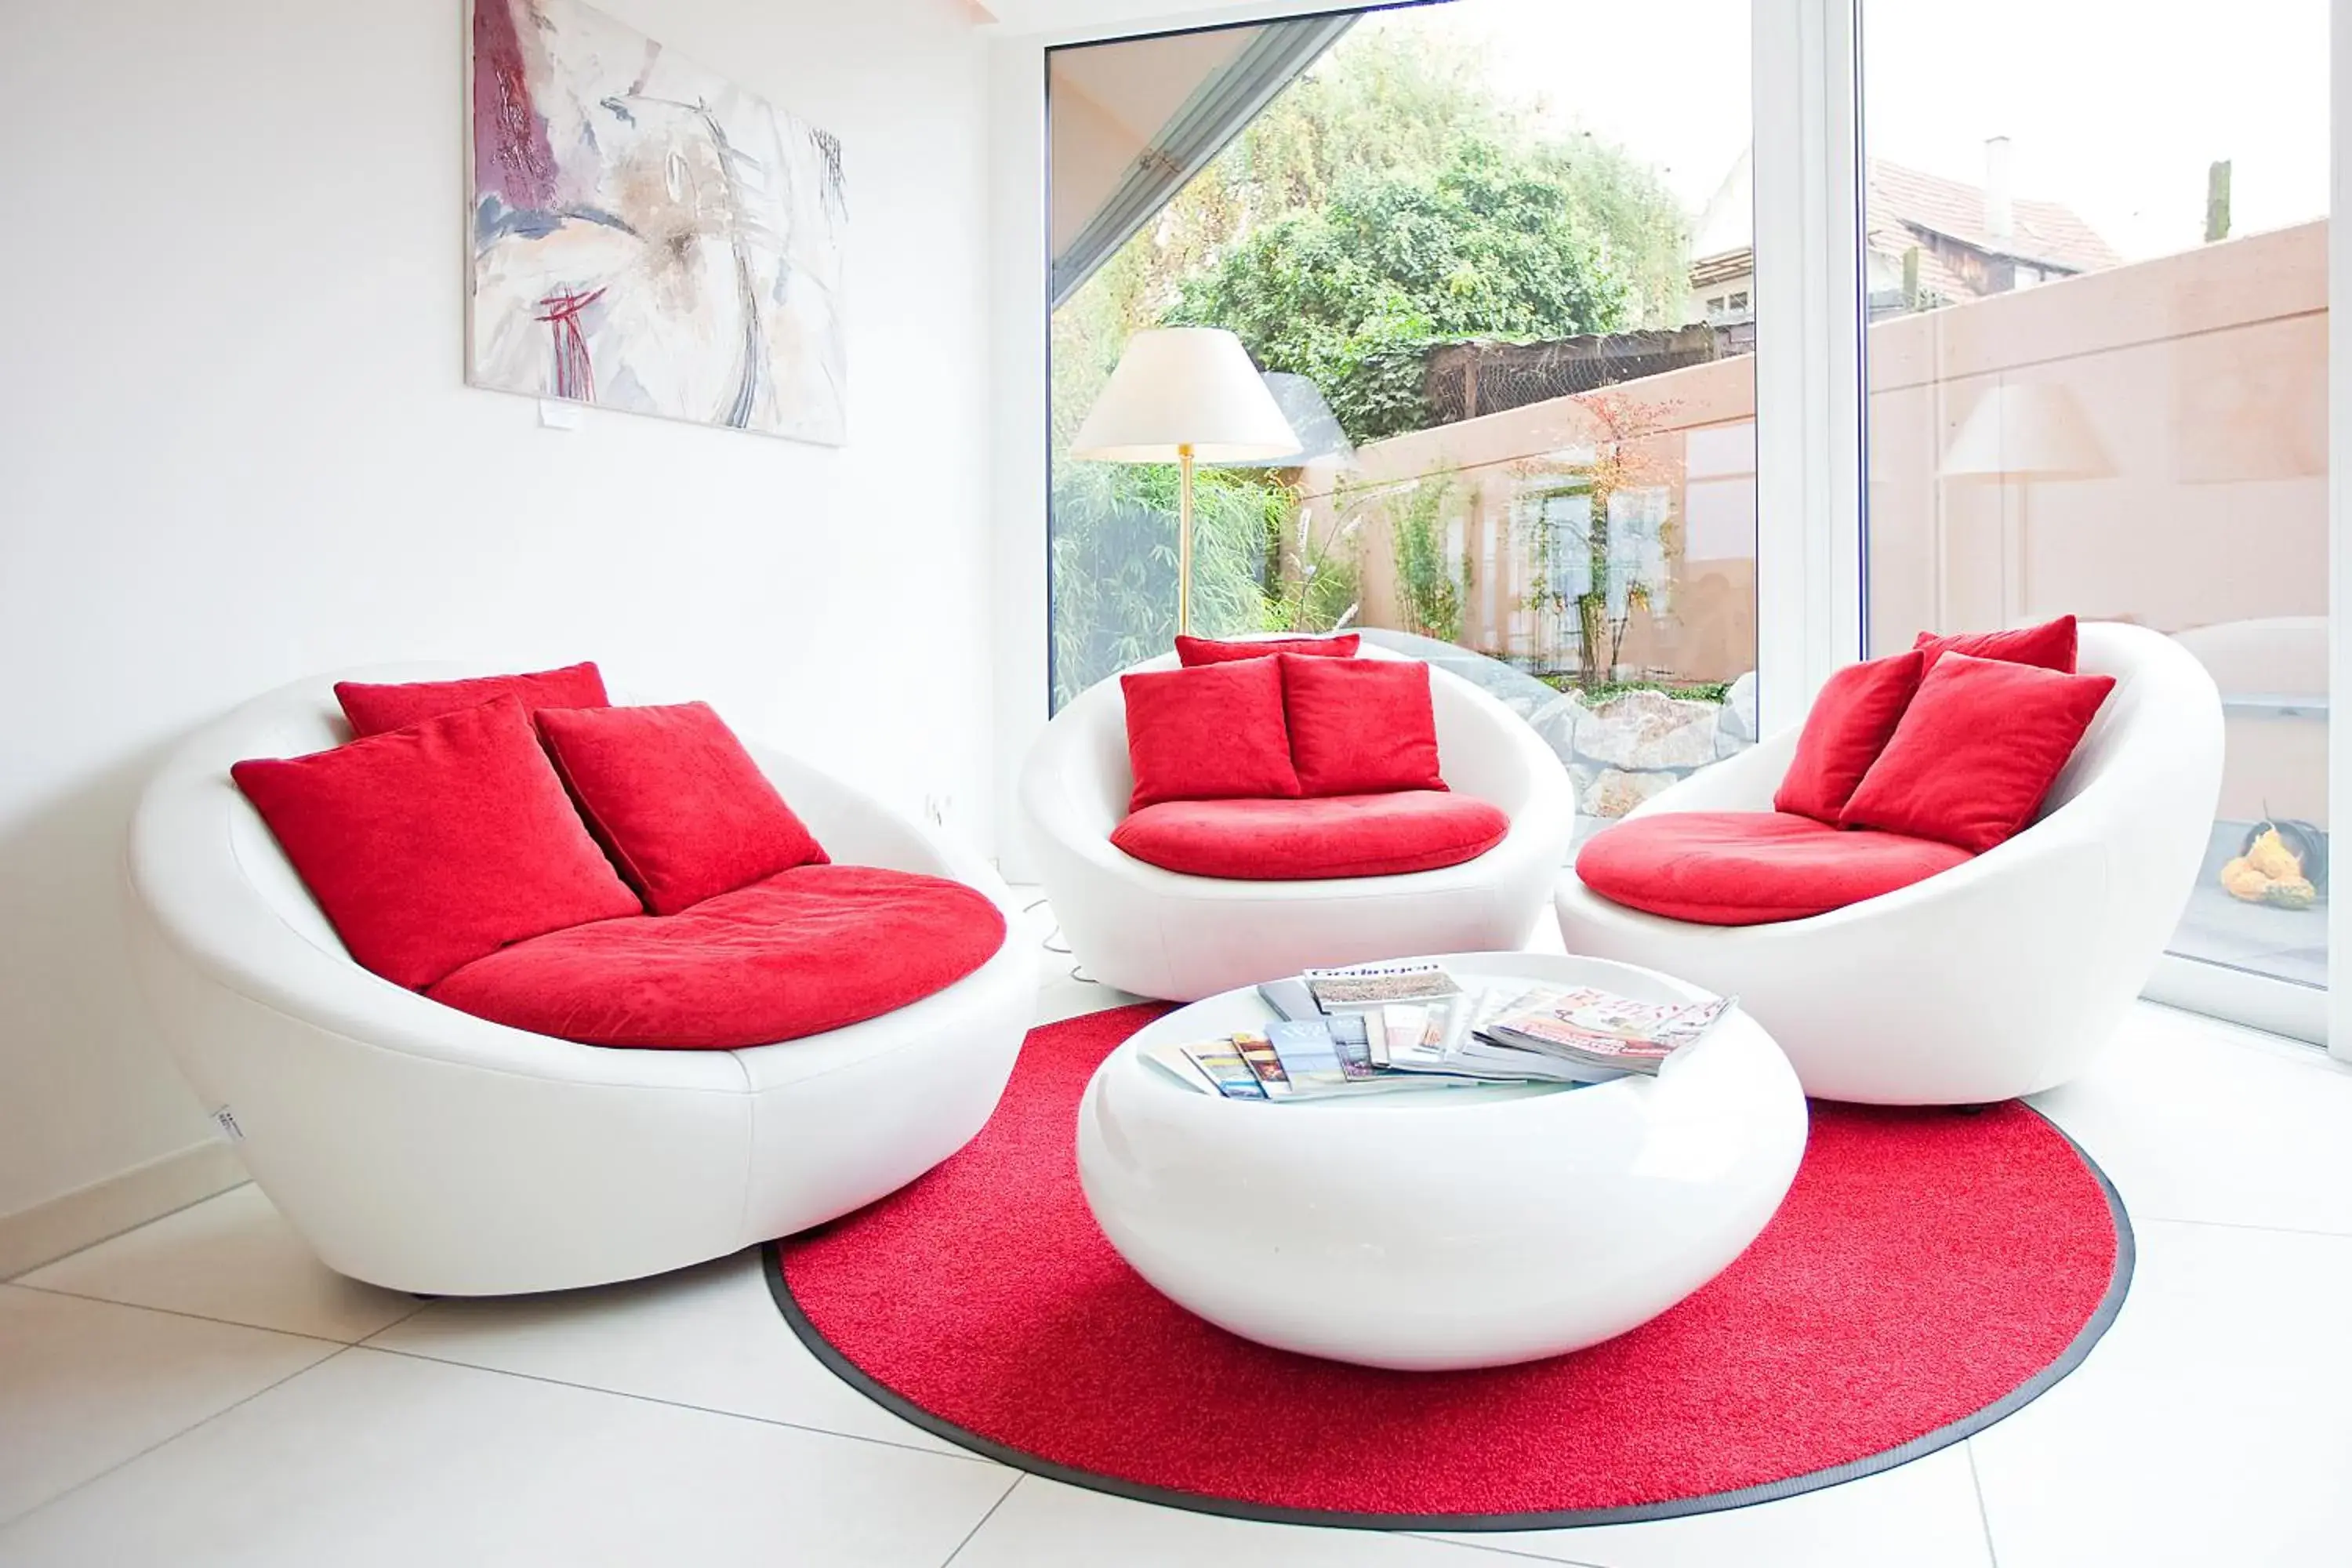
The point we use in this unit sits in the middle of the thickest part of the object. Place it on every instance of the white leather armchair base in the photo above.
(1998, 978)
(1163, 933)
(422, 1149)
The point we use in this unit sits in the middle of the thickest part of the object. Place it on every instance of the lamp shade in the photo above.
(2025, 430)
(1184, 387)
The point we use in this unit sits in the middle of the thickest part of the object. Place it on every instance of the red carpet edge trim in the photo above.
(1919, 1447)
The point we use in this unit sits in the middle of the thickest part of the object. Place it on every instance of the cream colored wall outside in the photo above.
(2202, 379)
(1707, 628)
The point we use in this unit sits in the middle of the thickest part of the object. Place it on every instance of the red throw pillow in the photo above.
(1359, 726)
(2050, 645)
(675, 800)
(433, 846)
(1194, 651)
(1212, 733)
(1851, 720)
(1983, 742)
(372, 710)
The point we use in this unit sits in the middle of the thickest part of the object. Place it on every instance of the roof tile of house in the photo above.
(2047, 232)
(1904, 203)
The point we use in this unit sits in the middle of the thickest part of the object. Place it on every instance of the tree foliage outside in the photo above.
(1353, 293)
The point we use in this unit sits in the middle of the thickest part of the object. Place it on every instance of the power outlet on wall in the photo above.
(939, 809)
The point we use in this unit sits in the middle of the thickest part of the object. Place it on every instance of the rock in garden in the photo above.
(1646, 730)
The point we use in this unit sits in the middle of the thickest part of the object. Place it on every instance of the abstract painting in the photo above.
(646, 235)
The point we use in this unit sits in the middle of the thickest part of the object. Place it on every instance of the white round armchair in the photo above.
(2003, 976)
(1164, 933)
(423, 1148)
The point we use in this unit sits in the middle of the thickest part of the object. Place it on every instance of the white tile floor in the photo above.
(202, 1390)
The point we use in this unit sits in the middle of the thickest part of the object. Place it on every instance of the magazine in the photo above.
(1377, 984)
(1310, 1061)
(1351, 1038)
(1402, 1026)
(1258, 1053)
(1331, 1060)
(1443, 1045)
(1174, 1061)
(1600, 1012)
(1290, 999)
(1225, 1070)
(1596, 1029)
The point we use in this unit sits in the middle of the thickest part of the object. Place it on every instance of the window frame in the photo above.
(1809, 305)
(2338, 1006)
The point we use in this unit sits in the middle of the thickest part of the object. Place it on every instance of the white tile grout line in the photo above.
(1512, 1552)
(10, 1523)
(1018, 1477)
(204, 1316)
(367, 1342)
(960, 1455)
(1325, 1530)
(1984, 1514)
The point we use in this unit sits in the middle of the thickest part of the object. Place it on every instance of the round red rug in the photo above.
(1929, 1272)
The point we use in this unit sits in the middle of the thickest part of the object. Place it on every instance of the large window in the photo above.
(1508, 308)
(2097, 277)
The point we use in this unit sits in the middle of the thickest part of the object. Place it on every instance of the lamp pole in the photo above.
(1184, 540)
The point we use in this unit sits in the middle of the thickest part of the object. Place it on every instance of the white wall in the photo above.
(236, 448)
(1018, 466)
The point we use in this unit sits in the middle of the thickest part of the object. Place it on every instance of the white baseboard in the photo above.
(71, 1221)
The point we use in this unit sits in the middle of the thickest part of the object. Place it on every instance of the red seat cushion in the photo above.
(1330, 835)
(811, 948)
(431, 845)
(373, 709)
(1977, 751)
(1359, 726)
(1849, 724)
(1194, 651)
(2053, 644)
(1750, 867)
(1212, 733)
(675, 800)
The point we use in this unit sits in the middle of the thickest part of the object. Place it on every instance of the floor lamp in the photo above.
(1184, 395)
(2031, 432)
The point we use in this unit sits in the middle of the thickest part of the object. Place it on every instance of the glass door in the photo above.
(1511, 313)
(2097, 362)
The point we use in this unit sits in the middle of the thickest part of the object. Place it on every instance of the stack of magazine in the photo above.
(1377, 1028)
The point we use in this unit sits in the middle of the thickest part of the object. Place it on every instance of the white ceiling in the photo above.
(1073, 18)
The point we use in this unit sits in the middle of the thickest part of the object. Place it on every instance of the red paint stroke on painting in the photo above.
(575, 377)
(512, 153)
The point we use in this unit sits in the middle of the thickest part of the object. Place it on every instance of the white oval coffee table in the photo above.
(1440, 1229)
